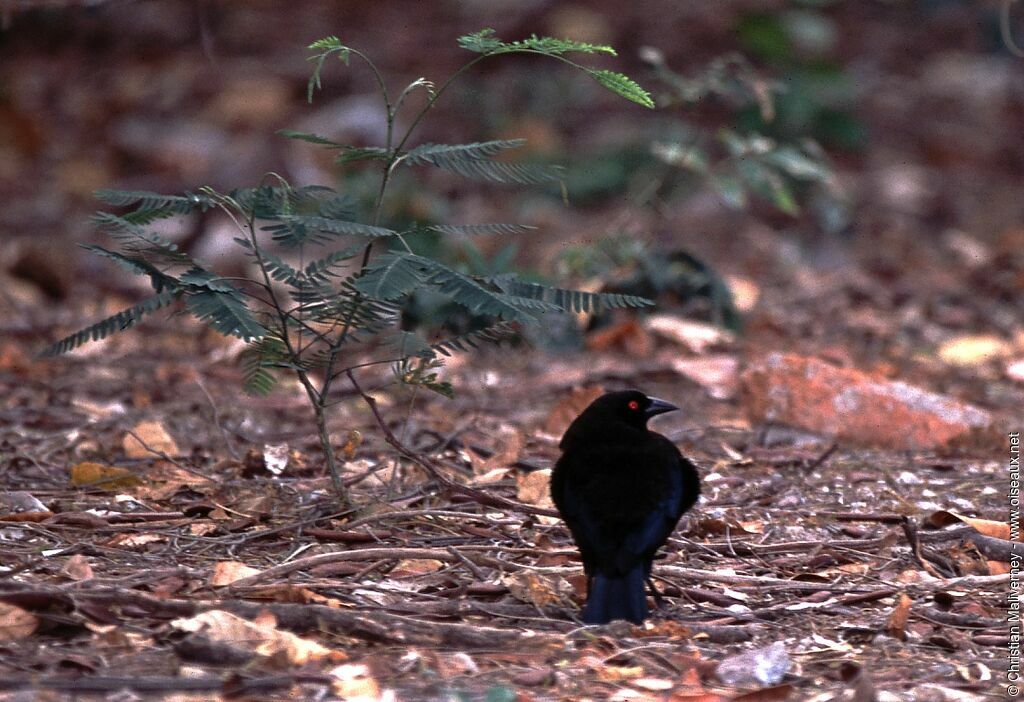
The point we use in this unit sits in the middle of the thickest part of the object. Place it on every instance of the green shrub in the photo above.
(321, 318)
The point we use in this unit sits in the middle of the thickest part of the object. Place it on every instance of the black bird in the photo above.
(621, 488)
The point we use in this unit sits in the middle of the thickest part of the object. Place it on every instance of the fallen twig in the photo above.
(362, 554)
(915, 547)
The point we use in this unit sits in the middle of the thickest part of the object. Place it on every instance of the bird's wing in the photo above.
(621, 503)
(651, 535)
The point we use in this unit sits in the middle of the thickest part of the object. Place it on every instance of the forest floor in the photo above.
(164, 535)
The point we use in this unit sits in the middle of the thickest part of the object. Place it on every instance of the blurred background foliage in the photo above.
(787, 133)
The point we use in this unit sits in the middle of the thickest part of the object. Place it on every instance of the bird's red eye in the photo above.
(633, 405)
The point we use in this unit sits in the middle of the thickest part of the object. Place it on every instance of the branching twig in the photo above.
(216, 420)
(480, 496)
(165, 456)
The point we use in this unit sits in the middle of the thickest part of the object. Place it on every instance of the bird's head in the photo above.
(631, 407)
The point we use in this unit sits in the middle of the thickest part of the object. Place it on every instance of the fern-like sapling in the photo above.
(320, 317)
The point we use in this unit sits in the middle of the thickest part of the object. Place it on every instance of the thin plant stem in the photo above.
(316, 399)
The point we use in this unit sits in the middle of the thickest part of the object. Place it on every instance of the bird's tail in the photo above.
(616, 596)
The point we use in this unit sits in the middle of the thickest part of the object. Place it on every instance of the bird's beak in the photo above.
(659, 407)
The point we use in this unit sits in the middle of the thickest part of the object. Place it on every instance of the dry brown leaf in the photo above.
(986, 527)
(150, 438)
(998, 567)
(752, 527)
(974, 349)
(627, 335)
(535, 487)
(698, 337)
(1015, 370)
(911, 576)
(354, 682)
(966, 560)
(204, 528)
(168, 586)
(491, 476)
(104, 477)
(848, 569)
(227, 572)
(717, 373)
(16, 623)
(745, 292)
(692, 689)
(568, 408)
(577, 581)
(618, 673)
(451, 665)
(99, 410)
(164, 479)
(260, 636)
(714, 526)
(653, 684)
(969, 251)
(77, 567)
(974, 672)
(511, 442)
(664, 628)
(537, 589)
(255, 506)
(351, 445)
(416, 566)
(294, 594)
(896, 625)
(776, 693)
(12, 358)
(135, 540)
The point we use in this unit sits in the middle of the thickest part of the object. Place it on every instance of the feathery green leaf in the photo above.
(493, 334)
(391, 276)
(623, 86)
(224, 311)
(158, 279)
(474, 161)
(146, 200)
(113, 324)
(280, 270)
(361, 153)
(481, 229)
(326, 47)
(482, 42)
(416, 371)
(257, 358)
(476, 150)
(137, 240)
(350, 153)
(480, 297)
(312, 138)
(485, 42)
(296, 230)
(405, 343)
(198, 277)
(571, 300)
(321, 269)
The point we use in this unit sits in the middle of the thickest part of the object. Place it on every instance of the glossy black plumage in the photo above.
(621, 489)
